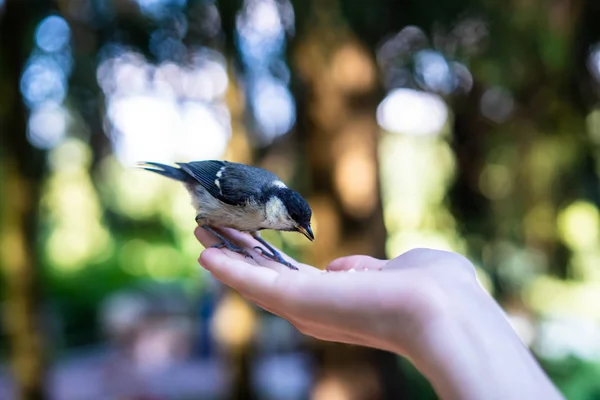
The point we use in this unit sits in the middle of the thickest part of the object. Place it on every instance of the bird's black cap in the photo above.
(298, 209)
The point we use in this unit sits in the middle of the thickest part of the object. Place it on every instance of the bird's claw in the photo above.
(262, 251)
(275, 257)
(233, 248)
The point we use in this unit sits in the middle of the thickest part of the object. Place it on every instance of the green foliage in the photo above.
(576, 379)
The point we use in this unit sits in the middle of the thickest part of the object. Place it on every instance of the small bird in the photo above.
(242, 197)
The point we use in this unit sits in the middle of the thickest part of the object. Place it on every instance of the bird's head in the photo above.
(286, 210)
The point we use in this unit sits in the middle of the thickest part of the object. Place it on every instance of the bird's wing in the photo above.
(234, 184)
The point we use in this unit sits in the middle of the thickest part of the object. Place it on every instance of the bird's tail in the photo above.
(165, 170)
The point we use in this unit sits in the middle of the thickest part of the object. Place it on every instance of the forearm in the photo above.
(472, 352)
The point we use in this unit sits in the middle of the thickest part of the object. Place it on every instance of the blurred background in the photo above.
(465, 125)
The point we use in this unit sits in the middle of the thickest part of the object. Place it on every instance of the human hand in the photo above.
(424, 304)
(384, 304)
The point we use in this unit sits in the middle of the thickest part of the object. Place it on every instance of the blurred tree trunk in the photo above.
(337, 97)
(22, 169)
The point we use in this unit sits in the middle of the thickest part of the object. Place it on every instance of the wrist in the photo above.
(468, 349)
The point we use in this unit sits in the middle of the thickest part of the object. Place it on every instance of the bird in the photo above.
(243, 197)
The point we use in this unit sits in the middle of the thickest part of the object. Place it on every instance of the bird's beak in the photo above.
(306, 231)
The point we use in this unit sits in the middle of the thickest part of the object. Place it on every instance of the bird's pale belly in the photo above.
(212, 212)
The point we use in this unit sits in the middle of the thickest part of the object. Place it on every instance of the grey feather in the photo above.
(168, 171)
(232, 183)
(210, 211)
(234, 195)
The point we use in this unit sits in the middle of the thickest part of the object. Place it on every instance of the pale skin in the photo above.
(425, 305)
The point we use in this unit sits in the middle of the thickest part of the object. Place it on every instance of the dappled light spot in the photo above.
(356, 181)
(168, 112)
(593, 62)
(523, 326)
(412, 112)
(274, 107)
(233, 308)
(159, 8)
(496, 182)
(163, 262)
(433, 72)
(78, 237)
(71, 156)
(539, 223)
(325, 224)
(355, 174)
(402, 241)
(352, 69)
(132, 256)
(400, 46)
(548, 295)
(261, 27)
(155, 128)
(331, 388)
(411, 59)
(497, 104)
(415, 174)
(584, 265)
(52, 34)
(47, 125)
(579, 225)
(593, 125)
(561, 337)
(43, 80)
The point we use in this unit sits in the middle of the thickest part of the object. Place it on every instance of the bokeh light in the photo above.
(159, 8)
(593, 62)
(273, 107)
(43, 80)
(145, 101)
(261, 27)
(52, 34)
(412, 112)
(71, 203)
(497, 104)
(433, 71)
(47, 125)
(579, 225)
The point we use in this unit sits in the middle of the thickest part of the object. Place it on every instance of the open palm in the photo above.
(384, 304)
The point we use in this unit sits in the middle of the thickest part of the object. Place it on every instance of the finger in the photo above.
(207, 239)
(248, 242)
(283, 254)
(341, 298)
(421, 257)
(357, 263)
(247, 279)
(241, 240)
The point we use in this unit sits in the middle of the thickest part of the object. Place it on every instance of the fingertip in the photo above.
(201, 234)
(210, 257)
(338, 264)
(246, 278)
(356, 262)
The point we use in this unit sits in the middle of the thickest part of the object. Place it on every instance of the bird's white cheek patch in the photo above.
(276, 213)
(279, 184)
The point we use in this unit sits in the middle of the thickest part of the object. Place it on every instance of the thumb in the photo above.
(356, 263)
